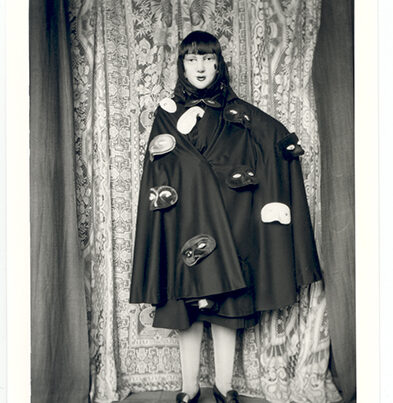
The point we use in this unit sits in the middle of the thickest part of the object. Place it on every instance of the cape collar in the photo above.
(214, 102)
(217, 101)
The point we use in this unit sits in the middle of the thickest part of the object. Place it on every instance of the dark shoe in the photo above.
(185, 398)
(231, 397)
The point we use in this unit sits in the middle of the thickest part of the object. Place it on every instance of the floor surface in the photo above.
(169, 397)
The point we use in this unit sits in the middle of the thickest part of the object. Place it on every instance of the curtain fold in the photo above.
(333, 81)
(59, 342)
(124, 58)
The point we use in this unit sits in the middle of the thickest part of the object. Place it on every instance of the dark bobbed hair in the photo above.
(201, 42)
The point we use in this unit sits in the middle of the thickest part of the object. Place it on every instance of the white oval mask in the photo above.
(168, 104)
(161, 144)
(188, 119)
(276, 212)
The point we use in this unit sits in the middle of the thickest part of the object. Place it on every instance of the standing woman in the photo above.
(223, 230)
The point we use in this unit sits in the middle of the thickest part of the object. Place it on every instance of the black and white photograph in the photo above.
(194, 204)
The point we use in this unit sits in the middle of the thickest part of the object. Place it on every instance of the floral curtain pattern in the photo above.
(124, 58)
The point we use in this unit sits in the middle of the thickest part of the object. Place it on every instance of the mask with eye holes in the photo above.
(290, 146)
(162, 197)
(241, 177)
(237, 114)
(197, 248)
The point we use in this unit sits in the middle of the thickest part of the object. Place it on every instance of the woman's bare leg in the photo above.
(224, 342)
(190, 349)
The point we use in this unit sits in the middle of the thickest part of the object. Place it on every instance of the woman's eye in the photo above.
(236, 176)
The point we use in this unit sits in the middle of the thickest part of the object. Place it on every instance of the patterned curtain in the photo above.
(124, 54)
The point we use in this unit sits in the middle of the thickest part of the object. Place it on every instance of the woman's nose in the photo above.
(200, 65)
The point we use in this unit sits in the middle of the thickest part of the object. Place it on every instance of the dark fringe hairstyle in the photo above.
(199, 42)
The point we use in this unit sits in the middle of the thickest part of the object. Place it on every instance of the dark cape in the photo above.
(264, 247)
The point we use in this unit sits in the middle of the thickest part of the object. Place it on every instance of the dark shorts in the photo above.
(176, 314)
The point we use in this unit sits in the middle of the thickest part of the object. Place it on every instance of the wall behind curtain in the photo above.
(123, 58)
(59, 344)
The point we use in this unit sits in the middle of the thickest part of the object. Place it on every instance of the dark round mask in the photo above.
(241, 176)
(237, 113)
(197, 248)
(290, 146)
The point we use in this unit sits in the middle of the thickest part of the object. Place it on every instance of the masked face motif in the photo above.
(162, 197)
(276, 212)
(161, 144)
(237, 114)
(189, 118)
(197, 248)
(290, 146)
(241, 176)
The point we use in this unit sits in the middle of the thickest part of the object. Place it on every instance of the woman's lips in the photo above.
(201, 78)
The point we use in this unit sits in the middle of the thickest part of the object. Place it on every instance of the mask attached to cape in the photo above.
(197, 248)
(189, 119)
(169, 105)
(290, 146)
(162, 197)
(276, 211)
(241, 177)
(237, 114)
(161, 144)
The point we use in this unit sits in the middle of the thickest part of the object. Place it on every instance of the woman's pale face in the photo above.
(200, 70)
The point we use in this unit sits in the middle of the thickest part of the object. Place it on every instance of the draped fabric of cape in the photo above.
(264, 257)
